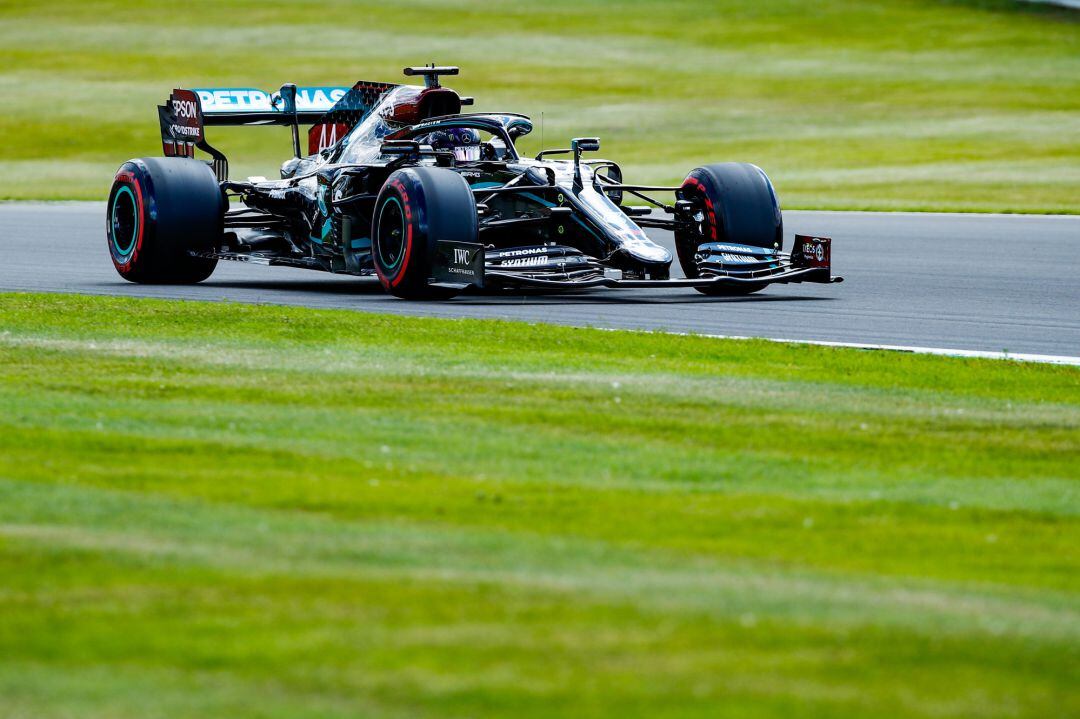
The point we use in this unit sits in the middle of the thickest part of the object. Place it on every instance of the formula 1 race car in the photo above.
(399, 183)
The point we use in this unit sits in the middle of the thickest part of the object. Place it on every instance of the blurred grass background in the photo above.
(891, 104)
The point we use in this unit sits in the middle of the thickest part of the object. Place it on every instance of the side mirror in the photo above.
(585, 144)
(579, 145)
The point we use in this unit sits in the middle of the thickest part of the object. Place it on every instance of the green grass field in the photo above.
(848, 104)
(219, 510)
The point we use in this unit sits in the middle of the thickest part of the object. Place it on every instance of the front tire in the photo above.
(739, 206)
(416, 208)
(160, 210)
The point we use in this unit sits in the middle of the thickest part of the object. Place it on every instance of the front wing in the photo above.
(461, 264)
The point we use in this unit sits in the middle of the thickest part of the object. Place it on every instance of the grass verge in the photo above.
(848, 104)
(230, 510)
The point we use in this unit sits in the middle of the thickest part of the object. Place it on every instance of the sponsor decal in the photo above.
(738, 259)
(181, 124)
(185, 108)
(325, 135)
(525, 262)
(814, 250)
(736, 249)
(249, 99)
(458, 262)
(524, 251)
(184, 130)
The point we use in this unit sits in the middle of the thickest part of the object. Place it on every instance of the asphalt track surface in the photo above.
(967, 282)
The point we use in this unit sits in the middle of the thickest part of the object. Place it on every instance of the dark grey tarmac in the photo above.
(967, 282)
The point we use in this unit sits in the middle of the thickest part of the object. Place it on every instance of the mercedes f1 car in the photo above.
(399, 183)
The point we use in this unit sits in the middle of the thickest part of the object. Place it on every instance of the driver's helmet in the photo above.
(464, 142)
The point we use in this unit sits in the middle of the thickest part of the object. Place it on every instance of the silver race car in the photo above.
(399, 183)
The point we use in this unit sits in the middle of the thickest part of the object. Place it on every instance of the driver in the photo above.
(464, 142)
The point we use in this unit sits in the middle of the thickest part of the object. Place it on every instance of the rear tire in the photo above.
(739, 206)
(161, 209)
(417, 207)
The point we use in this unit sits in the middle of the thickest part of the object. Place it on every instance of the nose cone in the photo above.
(640, 246)
(620, 229)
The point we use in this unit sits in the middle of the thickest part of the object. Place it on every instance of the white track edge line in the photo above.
(934, 213)
(940, 351)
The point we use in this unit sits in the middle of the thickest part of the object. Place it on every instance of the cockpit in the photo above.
(467, 141)
(412, 113)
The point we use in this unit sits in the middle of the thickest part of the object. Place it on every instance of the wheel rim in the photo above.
(124, 221)
(705, 220)
(392, 230)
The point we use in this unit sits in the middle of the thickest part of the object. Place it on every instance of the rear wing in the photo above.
(332, 111)
(248, 106)
(186, 114)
